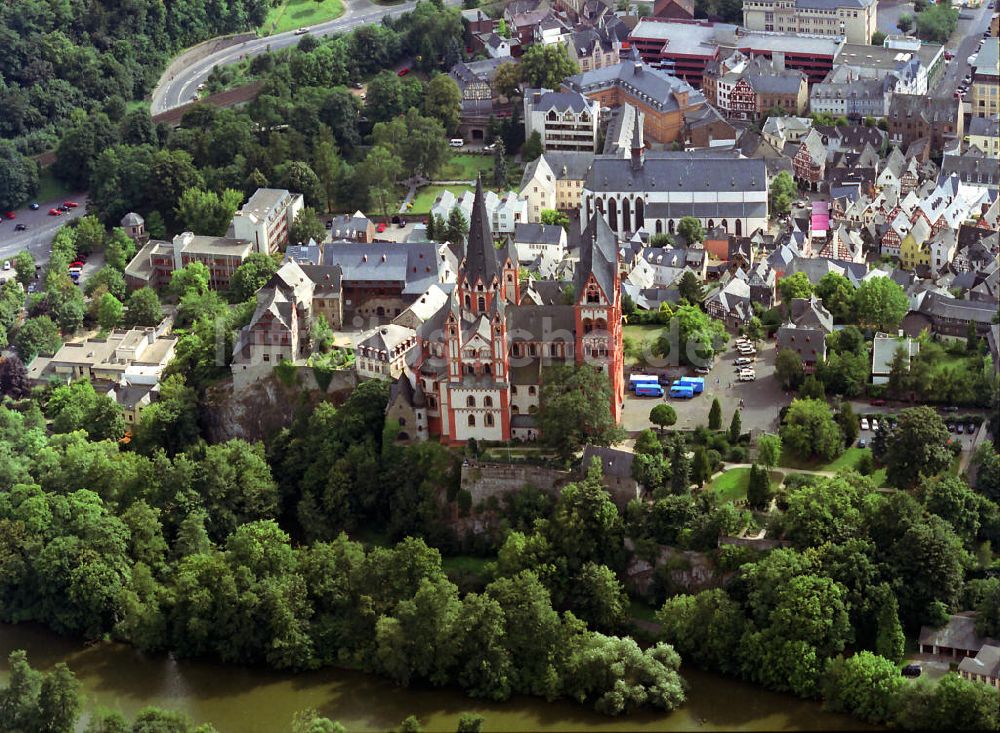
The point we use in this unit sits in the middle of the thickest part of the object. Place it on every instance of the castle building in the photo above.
(480, 360)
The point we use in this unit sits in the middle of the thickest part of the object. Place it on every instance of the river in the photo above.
(251, 700)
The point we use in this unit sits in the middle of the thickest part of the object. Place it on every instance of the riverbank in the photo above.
(253, 700)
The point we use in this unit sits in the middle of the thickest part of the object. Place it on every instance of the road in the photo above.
(41, 228)
(963, 42)
(183, 85)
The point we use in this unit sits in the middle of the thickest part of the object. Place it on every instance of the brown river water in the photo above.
(253, 700)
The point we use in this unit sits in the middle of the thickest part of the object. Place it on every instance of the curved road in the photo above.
(179, 88)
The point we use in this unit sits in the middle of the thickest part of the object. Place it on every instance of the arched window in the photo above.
(640, 213)
(613, 214)
(711, 223)
(531, 390)
(482, 303)
(670, 226)
(725, 225)
(659, 227)
(468, 300)
(739, 227)
(600, 205)
(470, 401)
(489, 419)
(487, 401)
(402, 421)
(472, 421)
(515, 410)
(626, 215)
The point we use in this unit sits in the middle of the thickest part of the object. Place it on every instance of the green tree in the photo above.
(507, 79)
(759, 488)
(299, 177)
(194, 277)
(917, 446)
(599, 598)
(937, 23)
(143, 308)
(307, 226)
(769, 450)
(848, 422)
(951, 702)
(701, 467)
(553, 217)
(20, 179)
(735, 428)
(109, 279)
(14, 378)
(904, 22)
(457, 226)
(38, 335)
(715, 415)
(812, 388)
(39, 701)
(680, 477)
(575, 409)
(690, 288)
(783, 191)
(663, 416)
(837, 294)
(881, 303)
(864, 685)
(846, 372)
(809, 430)
(206, 212)
(24, 265)
(470, 723)
(788, 368)
(170, 423)
(500, 171)
(890, 642)
(110, 312)
(704, 628)
(878, 38)
(443, 102)
(90, 235)
(793, 286)
(690, 228)
(119, 250)
(532, 148)
(547, 65)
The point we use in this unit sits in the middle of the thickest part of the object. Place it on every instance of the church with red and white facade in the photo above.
(479, 362)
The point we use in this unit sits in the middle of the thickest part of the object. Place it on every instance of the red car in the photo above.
(380, 228)
(77, 264)
(71, 204)
(404, 71)
(877, 402)
(949, 55)
(10, 215)
(55, 212)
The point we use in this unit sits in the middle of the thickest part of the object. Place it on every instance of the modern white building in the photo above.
(534, 240)
(266, 218)
(505, 212)
(853, 19)
(565, 121)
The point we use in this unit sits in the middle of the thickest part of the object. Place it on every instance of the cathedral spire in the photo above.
(480, 254)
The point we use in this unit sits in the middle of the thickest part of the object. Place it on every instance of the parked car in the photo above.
(747, 376)
(328, 224)
(912, 670)
(380, 228)
(949, 408)
(55, 212)
(20, 227)
(971, 429)
(6, 264)
(702, 370)
(948, 55)
(862, 442)
(959, 428)
(71, 204)
(34, 206)
(950, 426)
(864, 423)
(357, 85)
(301, 31)
(10, 215)
(404, 71)
(743, 361)
(32, 288)
(874, 424)
(456, 142)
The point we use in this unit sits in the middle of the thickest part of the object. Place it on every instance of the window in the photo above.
(489, 419)
(482, 304)
(531, 390)
(487, 401)
(470, 401)
(472, 421)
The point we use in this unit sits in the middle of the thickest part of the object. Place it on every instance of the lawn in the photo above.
(291, 14)
(49, 187)
(464, 167)
(465, 564)
(848, 459)
(425, 197)
(732, 484)
(643, 338)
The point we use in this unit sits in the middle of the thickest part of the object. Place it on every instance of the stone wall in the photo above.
(485, 480)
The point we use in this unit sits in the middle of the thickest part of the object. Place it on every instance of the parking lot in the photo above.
(762, 398)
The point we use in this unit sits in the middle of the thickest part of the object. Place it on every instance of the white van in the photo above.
(457, 142)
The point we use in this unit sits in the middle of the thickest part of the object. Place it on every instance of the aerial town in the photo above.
(528, 365)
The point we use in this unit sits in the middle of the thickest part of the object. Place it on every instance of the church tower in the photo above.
(480, 281)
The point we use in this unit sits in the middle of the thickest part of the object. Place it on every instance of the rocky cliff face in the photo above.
(257, 411)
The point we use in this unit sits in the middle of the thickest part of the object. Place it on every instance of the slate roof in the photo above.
(654, 87)
(810, 313)
(386, 338)
(480, 254)
(598, 257)
(985, 126)
(617, 463)
(986, 663)
(539, 322)
(936, 305)
(677, 172)
(559, 101)
(958, 633)
(132, 219)
(537, 233)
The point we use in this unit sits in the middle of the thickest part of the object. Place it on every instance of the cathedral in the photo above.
(479, 361)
